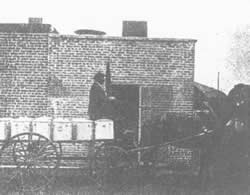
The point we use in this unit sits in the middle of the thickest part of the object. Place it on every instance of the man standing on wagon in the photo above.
(99, 101)
(99, 107)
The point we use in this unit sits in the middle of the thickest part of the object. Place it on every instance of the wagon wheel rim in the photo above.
(36, 160)
(111, 167)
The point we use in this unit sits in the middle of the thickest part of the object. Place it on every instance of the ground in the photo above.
(78, 184)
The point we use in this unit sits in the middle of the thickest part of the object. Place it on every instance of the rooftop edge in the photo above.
(123, 38)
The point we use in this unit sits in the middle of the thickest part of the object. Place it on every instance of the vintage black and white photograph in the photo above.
(125, 97)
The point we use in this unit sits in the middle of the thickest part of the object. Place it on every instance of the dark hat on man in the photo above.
(99, 75)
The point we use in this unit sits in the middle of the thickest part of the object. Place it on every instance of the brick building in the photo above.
(49, 74)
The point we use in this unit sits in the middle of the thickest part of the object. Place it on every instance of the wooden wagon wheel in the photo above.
(35, 159)
(112, 166)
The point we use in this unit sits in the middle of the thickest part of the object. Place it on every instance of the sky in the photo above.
(212, 23)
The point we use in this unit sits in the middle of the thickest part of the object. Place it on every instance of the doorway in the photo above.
(126, 108)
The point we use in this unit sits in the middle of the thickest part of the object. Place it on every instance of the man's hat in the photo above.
(99, 75)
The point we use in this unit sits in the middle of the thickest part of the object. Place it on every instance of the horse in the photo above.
(225, 152)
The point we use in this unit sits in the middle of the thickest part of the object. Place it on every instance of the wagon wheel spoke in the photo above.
(21, 143)
(20, 147)
(50, 155)
(39, 139)
(43, 147)
(20, 154)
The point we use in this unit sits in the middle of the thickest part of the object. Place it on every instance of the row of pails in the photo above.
(58, 129)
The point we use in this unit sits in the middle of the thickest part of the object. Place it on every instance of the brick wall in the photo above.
(45, 74)
(23, 74)
(73, 60)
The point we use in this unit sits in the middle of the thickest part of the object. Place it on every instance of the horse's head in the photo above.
(240, 98)
(235, 113)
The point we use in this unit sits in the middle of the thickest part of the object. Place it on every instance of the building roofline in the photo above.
(18, 33)
(96, 37)
(14, 23)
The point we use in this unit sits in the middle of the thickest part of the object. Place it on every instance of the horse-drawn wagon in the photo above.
(33, 150)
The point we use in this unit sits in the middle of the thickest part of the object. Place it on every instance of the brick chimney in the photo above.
(35, 20)
(134, 29)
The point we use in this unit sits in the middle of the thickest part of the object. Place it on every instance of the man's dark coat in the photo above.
(97, 102)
